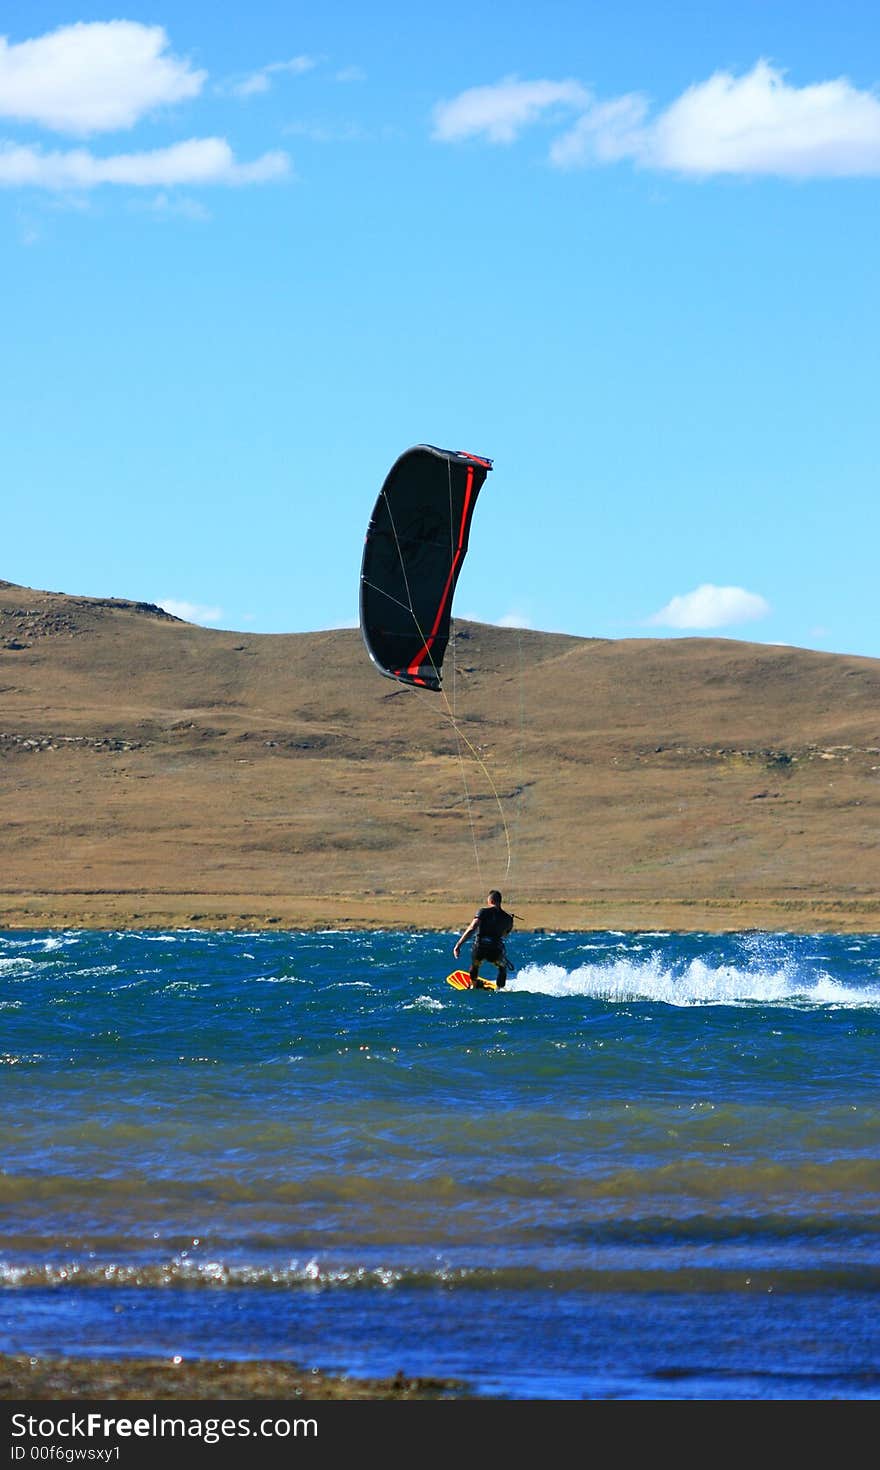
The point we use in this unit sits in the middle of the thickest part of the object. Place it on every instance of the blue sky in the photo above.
(252, 253)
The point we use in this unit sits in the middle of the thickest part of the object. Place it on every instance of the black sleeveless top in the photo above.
(493, 923)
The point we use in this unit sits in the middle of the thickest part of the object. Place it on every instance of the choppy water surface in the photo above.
(648, 1169)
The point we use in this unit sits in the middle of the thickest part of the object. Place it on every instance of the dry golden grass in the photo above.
(157, 773)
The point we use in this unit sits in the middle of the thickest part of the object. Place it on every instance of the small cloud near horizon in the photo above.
(711, 607)
(512, 619)
(191, 612)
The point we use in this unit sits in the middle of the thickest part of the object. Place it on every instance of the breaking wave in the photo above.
(788, 983)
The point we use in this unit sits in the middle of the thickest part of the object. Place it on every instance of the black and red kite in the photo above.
(416, 542)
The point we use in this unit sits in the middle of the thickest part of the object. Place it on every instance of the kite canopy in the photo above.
(416, 542)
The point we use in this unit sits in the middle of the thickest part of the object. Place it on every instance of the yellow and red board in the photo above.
(461, 980)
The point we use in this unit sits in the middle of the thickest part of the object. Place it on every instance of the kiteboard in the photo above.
(461, 980)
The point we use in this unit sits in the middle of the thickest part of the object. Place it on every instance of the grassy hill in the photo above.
(154, 772)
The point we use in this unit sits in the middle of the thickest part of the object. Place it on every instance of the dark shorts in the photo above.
(490, 949)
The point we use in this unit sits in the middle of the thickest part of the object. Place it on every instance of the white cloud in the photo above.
(351, 74)
(251, 86)
(191, 612)
(513, 619)
(261, 81)
(607, 132)
(316, 132)
(711, 607)
(758, 123)
(196, 161)
(501, 111)
(177, 206)
(93, 76)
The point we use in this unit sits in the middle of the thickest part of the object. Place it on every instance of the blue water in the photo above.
(648, 1169)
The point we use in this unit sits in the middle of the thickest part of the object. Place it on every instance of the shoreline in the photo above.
(440, 913)
(24, 1377)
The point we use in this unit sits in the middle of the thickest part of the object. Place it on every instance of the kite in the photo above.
(416, 542)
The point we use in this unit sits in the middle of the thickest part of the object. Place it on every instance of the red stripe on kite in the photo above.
(426, 646)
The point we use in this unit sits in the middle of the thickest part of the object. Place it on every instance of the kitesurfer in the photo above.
(489, 927)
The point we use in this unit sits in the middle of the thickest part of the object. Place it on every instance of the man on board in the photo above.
(489, 926)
